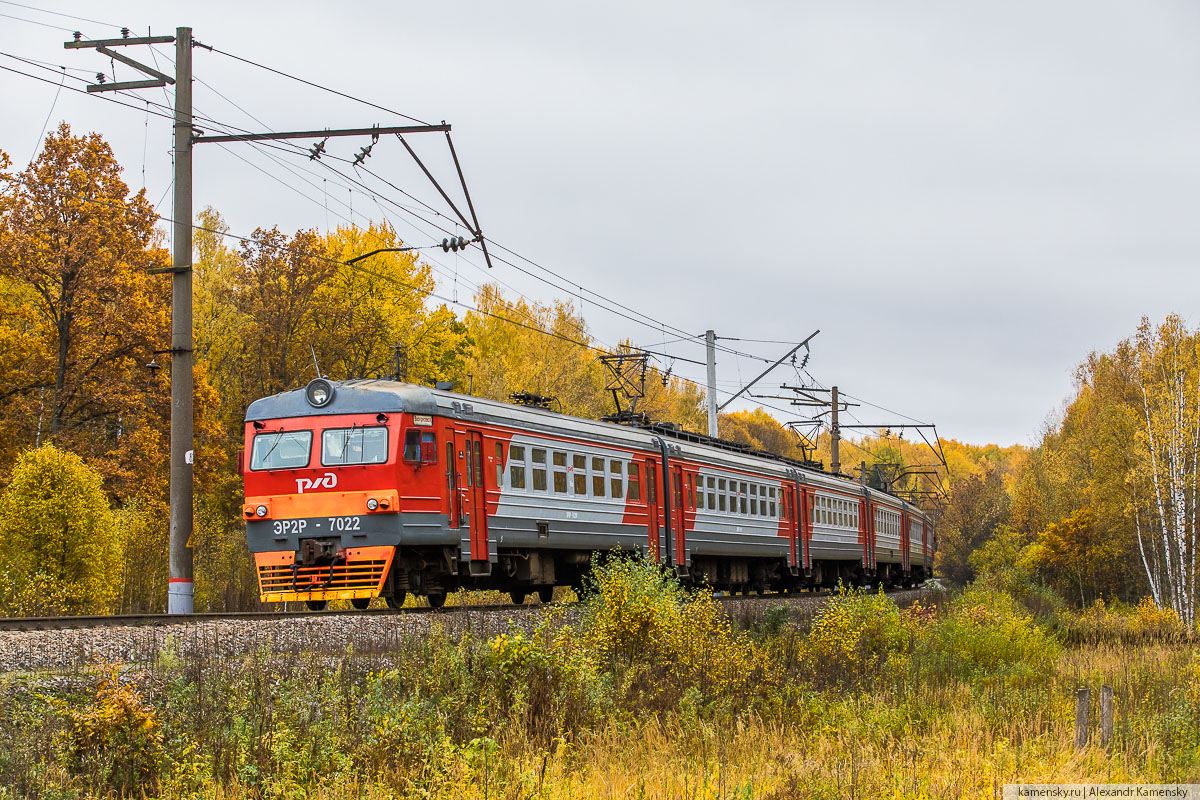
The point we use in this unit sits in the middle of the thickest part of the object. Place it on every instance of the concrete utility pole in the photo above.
(180, 587)
(710, 340)
(835, 434)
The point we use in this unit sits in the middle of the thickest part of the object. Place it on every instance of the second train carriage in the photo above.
(365, 488)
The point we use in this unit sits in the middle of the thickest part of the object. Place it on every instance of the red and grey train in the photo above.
(371, 488)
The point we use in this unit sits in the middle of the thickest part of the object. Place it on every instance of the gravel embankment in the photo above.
(85, 647)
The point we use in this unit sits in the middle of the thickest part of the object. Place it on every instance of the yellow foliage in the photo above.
(116, 740)
(59, 546)
(663, 639)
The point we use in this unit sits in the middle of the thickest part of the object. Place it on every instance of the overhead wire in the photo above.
(59, 14)
(644, 319)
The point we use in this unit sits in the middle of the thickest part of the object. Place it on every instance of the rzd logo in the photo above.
(327, 482)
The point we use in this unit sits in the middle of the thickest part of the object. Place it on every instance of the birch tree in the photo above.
(1165, 483)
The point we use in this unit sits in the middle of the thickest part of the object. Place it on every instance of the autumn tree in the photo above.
(59, 547)
(977, 508)
(759, 430)
(1166, 508)
(518, 346)
(75, 297)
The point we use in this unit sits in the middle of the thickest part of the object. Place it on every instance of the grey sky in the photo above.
(965, 198)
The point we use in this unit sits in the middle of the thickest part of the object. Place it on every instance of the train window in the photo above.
(712, 497)
(754, 500)
(579, 472)
(470, 465)
(284, 450)
(499, 465)
(635, 481)
(742, 498)
(700, 496)
(357, 445)
(677, 491)
(774, 511)
(721, 498)
(538, 455)
(479, 464)
(559, 460)
(691, 492)
(516, 466)
(598, 478)
(616, 482)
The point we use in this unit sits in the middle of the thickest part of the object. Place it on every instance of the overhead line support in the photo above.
(763, 374)
(375, 131)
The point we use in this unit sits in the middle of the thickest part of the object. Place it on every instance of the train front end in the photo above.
(324, 467)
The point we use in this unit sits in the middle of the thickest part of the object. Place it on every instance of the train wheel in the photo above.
(360, 603)
(315, 605)
(518, 596)
(436, 599)
(546, 594)
(396, 600)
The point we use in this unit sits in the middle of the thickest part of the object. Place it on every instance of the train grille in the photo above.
(361, 575)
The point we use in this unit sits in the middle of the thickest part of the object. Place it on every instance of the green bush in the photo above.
(60, 551)
(657, 640)
(855, 638)
(987, 637)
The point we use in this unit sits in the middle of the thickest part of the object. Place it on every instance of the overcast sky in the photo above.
(964, 198)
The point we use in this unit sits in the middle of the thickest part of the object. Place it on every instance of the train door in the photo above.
(678, 500)
(653, 531)
(808, 504)
(472, 494)
(792, 527)
(905, 532)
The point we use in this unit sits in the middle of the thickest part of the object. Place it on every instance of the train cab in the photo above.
(326, 469)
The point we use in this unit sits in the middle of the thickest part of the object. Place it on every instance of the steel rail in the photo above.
(161, 619)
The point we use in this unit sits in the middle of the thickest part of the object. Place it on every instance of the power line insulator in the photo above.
(317, 150)
(363, 154)
(454, 243)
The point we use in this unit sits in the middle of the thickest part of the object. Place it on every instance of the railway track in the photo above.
(33, 645)
(161, 620)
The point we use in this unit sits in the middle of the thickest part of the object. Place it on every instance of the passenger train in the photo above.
(371, 488)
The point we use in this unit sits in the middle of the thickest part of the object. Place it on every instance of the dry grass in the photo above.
(872, 702)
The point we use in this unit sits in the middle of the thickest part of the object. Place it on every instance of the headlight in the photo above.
(318, 392)
(372, 504)
(261, 511)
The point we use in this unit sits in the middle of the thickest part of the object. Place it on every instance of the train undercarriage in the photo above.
(321, 571)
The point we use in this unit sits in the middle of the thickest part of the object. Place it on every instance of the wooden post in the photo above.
(1106, 716)
(1082, 701)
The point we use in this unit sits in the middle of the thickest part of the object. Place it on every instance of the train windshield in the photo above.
(357, 445)
(286, 450)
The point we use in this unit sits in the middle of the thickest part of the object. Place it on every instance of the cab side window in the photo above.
(420, 447)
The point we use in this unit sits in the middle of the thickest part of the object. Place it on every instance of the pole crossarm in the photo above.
(98, 43)
(889, 425)
(376, 131)
(122, 85)
(763, 374)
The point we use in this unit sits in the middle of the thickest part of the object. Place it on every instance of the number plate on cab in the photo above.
(300, 527)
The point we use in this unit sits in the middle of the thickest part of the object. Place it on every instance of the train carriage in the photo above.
(366, 488)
